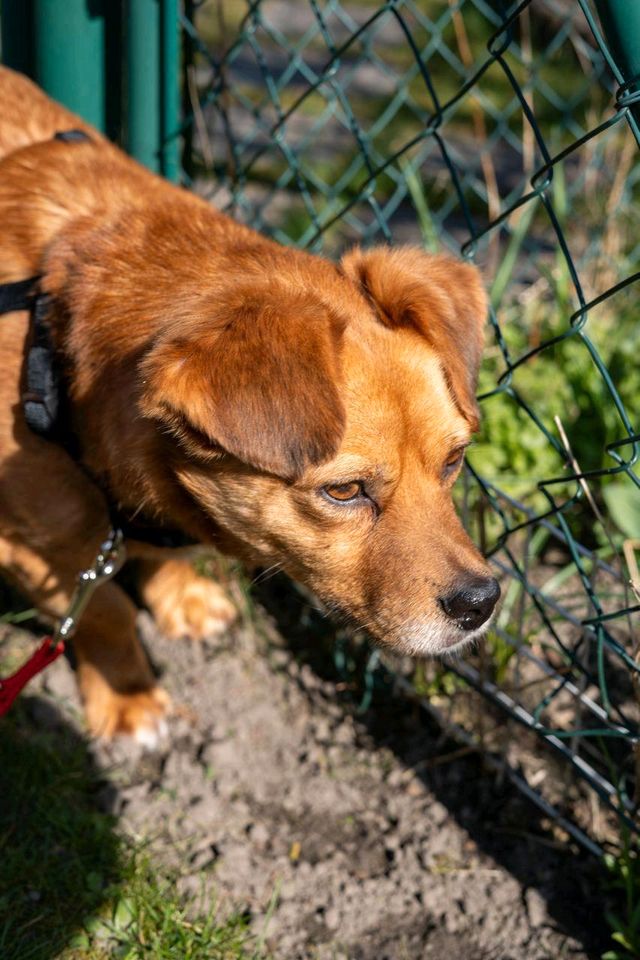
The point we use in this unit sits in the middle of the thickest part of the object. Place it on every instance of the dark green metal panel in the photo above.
(114, 70)
(115, 62)
(621, 22)
(621, 26)
(16, 24)
(144, 98)
(69, 60)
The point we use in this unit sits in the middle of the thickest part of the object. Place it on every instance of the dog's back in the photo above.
(48, 182)
(29, 116)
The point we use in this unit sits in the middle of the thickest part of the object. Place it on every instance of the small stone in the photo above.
(332, 918)
(396, 777)
(279, 659)
(344, 735)
(536, 908)
(323, 730)
(437, 813)
(260, 836)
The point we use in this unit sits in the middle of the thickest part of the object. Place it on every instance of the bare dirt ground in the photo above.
(374, 837)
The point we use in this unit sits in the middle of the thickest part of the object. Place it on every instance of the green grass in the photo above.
(71, 886)
(624, 920)
(145, 919)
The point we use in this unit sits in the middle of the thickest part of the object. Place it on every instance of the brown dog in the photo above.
(282, 408)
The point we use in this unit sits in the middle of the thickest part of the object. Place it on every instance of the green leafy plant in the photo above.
(623, 502)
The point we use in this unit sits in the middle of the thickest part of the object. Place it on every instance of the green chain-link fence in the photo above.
(506, 135)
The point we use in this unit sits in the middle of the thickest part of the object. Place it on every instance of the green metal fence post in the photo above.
(170, 90)
(621, 24)
(69, 60)
(144, 97)
(188, 53)
(74, 50)
(153, 101)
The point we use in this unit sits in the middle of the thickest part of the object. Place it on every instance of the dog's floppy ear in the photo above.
(442, 298)
(257, 376)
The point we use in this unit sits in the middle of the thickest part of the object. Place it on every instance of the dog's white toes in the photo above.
(152, 737)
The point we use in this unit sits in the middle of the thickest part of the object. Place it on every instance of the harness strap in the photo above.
(71, 136)
(41, 399)
(18, 295)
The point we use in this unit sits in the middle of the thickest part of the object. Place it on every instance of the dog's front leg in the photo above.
(182, 602)
(115, 679)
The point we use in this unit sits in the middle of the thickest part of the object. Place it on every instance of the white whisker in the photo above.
(266, 574)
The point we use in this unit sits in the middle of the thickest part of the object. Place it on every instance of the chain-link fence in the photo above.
(506, 135)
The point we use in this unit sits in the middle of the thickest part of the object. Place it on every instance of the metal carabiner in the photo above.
(108, 562)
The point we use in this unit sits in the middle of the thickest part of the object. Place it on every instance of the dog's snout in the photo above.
(472, 604)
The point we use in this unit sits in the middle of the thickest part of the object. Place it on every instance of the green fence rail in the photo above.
(507, 134)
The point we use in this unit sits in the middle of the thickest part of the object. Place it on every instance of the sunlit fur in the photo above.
(219, 382)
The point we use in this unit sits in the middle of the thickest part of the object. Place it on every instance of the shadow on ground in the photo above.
(500, 820)
(58, 852)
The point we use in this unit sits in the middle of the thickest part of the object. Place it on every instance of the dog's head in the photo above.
(322, 414)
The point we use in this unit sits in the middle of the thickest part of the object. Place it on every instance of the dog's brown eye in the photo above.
(344, 492)
(453, 462)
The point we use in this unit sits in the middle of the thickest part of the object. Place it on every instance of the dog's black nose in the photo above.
(472, 603)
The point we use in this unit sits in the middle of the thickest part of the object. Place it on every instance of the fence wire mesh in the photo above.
(508, 136)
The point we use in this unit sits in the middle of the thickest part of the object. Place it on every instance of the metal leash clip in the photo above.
(109, 560)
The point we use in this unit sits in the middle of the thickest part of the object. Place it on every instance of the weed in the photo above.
(146, 920)
(624, 872)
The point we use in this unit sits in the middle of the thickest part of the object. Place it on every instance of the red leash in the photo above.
(106, 565)
(48, 651)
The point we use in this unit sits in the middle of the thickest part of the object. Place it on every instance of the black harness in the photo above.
(18, 295)
(41, 397)
(44, 396)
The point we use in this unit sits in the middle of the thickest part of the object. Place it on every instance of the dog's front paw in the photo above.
(141, 715)
(185, 604)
